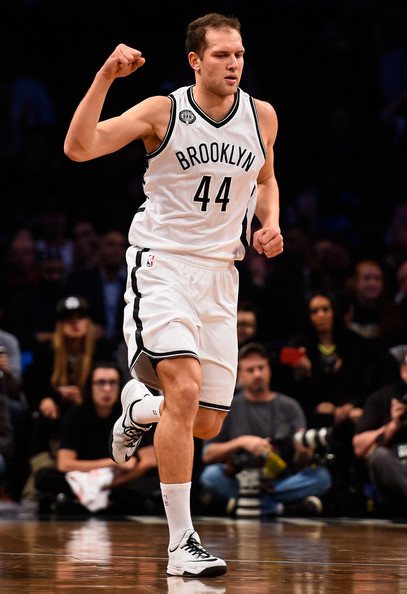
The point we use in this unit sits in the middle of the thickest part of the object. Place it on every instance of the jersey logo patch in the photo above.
(187, 117)
(150, 260)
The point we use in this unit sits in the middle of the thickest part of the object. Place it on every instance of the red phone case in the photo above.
(290, 355)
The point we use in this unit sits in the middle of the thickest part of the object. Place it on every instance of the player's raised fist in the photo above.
(122, 62)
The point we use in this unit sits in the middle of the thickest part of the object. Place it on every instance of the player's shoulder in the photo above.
(157, 102)
(155, 110)
(267, 119)
(164, 102)
(265, 109)
(180, 91)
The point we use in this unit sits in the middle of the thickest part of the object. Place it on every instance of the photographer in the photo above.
(253, 460)
(381, 440)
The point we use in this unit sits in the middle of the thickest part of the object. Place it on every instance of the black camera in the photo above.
(243, 460)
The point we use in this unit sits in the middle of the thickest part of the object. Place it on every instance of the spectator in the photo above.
(33, 313)
(246, 322)
(103, 287)
(260, 427)
(14, 400)
(21, 264)
(372, 312)
(21, 270)
(400, 297)
(6, 445)
(55, 380)
(395, 240)
(83, 457)
(334, 374)
(329, 267)
(248, 331)
(85, 245)
(380, 440)
(53, 231)
(10, 363)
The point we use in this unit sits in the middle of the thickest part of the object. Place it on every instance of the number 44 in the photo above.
(222, 197)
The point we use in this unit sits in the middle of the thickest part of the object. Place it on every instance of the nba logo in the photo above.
(150, 260)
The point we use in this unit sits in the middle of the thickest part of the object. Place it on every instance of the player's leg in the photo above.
(174, 445)
(180, 379)
(208, 423)
(140, 408)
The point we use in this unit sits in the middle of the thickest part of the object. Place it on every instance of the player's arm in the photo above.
(268, 239)
(88, 137)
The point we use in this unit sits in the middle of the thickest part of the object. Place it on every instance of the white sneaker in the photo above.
(126, 435)
(190, 559)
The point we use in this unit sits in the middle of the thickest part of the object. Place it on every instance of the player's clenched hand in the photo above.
(268, 241)
(122, 62)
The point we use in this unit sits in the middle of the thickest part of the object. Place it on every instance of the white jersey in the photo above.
(201, 182)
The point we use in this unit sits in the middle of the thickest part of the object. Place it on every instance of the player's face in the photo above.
(221, 67)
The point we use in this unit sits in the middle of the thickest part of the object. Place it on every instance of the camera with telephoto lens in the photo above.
(314, 438)
(284, 443)
(323, 441)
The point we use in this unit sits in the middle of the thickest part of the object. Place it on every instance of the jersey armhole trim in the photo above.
(256, 121)
(168, 133)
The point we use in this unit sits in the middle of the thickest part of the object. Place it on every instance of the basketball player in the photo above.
(210, 167)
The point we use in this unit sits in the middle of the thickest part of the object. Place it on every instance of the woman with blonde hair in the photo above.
(60, 369)
(74, 345)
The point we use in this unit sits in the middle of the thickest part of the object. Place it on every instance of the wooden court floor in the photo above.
(292, 555)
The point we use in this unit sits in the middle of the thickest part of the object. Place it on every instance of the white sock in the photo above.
(176, 499)
(148, 410)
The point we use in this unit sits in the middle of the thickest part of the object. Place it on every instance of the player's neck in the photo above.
(215, 106)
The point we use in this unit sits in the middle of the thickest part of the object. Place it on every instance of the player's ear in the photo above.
(194, 61)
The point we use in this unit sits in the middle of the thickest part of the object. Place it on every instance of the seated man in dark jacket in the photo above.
(381, 439)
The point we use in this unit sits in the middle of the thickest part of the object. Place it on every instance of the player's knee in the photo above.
(204, 432)
(183, 400)
(208, 423)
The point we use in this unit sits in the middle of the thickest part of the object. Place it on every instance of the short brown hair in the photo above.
(196, 31)
(253, 347)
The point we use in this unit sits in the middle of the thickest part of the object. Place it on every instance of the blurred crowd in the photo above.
(331, 311)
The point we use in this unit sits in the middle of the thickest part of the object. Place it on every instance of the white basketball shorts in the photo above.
(176, 306)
